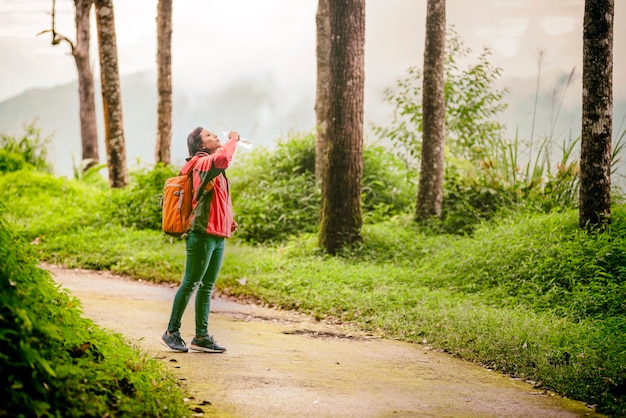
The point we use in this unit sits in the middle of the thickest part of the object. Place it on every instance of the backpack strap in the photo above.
(210, 185)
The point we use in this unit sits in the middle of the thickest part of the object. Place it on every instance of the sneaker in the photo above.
(206, 344)
(173, 341)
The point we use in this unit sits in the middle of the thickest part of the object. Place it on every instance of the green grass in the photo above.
(55, 363)
(530, 296)
(145, 255)
(533, 297)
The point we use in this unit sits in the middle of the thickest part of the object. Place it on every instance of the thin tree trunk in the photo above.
(88, 126)
(164, 82)
(597, 114)
(322, 97)
(80, 52)
(111, 95)
(341, 217)
(430, 189)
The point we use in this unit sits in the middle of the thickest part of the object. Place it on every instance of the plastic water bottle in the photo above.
(243, 142)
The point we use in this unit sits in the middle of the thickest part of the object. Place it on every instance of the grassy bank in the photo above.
(546, 305)
(532, 296)
(56, 363)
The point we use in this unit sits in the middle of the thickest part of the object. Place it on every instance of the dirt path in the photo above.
(281, 364)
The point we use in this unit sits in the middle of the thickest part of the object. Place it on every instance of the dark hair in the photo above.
(194, 141)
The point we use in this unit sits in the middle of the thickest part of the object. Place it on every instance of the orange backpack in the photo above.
(176, 204)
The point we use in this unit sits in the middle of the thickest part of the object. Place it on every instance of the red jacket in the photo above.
(212, 209)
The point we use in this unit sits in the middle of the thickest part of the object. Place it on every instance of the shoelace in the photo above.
(178, 339)
(208, 339)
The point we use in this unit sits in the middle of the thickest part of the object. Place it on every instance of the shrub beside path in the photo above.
(284, 364)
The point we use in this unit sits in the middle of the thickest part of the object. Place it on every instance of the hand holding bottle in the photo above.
(243, 142)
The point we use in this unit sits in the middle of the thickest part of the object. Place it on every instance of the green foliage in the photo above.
(39, 204)
(11, 161)
(471, 197)
(530, 295)
(545, 263)
(275, 195)
(533, 296)
(472, 102)
(91, 174)
(137, 205)
(472, 190)
(77, 224)
(485, 174)
(56, 363)
(142, 254)
(31, 147)
(385, 191)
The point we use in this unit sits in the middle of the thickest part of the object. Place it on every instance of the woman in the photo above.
(211, 222)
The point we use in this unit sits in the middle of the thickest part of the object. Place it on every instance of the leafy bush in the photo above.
(56, 363)
(73, 224)
(387, 190)
(31, 147)
(472, 102)
(470, 198)
(484, 172)
(137, 205)
(275, 194)
(11, 161)
(61, 204)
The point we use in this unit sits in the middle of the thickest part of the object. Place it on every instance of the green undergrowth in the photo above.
(530, 295)
(72, 224)
(534, 297)
(141, 254)
(56, 363)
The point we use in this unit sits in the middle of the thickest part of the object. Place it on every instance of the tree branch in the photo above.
(56, 38)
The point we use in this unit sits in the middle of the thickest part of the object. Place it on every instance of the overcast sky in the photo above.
(215, 41)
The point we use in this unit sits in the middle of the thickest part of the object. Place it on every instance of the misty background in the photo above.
(250, 66)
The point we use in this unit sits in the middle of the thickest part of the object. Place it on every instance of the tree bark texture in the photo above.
(341, 217)
(597, 111)
(322, 21)
(164, 82)
(430, 188)
(111, 95)
(88, 125)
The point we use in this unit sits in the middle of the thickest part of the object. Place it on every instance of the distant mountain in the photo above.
(253, 107)
(258, 110)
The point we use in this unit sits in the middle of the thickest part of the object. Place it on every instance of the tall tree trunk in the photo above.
(341, 217)
(80, 52)
(164, 82)
(322, 20)
(111, 94)
(88, 126)
(597, 115)
(430, 189)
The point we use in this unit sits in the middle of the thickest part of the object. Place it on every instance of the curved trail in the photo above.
(283, 364)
